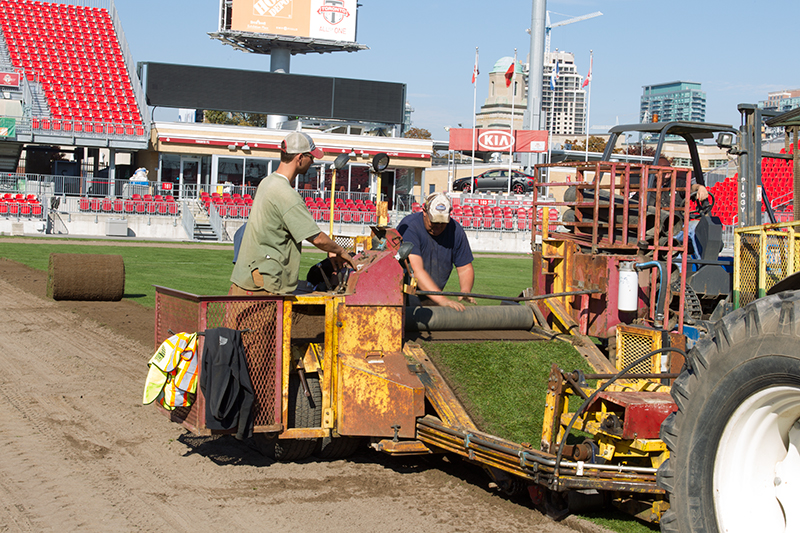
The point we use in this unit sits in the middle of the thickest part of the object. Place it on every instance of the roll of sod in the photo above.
(88, 277)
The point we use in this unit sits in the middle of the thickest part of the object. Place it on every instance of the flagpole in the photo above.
(475, 73)
(511, 145)
(553, 86)
(589, 102)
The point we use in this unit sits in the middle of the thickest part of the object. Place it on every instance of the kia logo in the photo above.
(495, 140)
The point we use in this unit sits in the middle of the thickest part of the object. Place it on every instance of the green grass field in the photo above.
(503, 384)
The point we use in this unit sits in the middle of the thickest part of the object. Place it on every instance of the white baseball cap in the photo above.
(438, 206)
(298, 142)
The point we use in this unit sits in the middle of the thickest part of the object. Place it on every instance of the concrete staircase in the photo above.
(203, 230)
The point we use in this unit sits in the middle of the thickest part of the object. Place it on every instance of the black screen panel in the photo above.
(374, 101)
(186, 86)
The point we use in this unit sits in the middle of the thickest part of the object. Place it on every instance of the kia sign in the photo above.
(497, 140)
(330, 20)
(9, 79)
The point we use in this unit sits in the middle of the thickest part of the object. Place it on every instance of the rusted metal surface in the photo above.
(641, 412)
(363, 329)
(378, 281)
(378, 395)
(402, 447)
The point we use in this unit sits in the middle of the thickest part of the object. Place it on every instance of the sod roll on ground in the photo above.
(88, 277)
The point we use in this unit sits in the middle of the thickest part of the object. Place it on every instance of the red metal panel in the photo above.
(642, 412)
(379, 282)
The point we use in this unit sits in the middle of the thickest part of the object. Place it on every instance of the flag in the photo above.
(588, 76)
(510, 73)
(475, 70)
(554, 77)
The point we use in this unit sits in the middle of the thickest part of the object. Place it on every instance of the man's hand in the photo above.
(447, 302)
(468, 299)
(700, 191)
(341, 259)
(339, 256)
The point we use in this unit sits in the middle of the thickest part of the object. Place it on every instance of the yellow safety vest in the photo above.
(172, 378)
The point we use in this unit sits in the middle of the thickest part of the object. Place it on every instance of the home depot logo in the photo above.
(333, 11)
(273, 8)
(495, 140)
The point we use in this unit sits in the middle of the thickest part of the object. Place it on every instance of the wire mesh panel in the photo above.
(764, 256)
(633, 343)
(259, 319)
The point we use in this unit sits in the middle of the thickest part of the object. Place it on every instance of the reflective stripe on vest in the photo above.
(173, 372)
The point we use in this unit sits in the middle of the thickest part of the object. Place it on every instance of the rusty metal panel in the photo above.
(378, 396)
(642, 412)
(378, 281)
(370, 328)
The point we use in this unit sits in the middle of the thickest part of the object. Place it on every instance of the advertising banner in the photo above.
(332, 20)
(8, 127)
(498, 140)
(9, 79)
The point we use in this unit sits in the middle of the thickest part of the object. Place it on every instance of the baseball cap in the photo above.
(298, 142)
(439, 207)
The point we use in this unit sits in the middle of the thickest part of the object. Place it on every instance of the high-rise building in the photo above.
(570, 100)
(677, 100)
(781, 101)
(565, 107)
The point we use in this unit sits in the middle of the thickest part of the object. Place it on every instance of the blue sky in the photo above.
(739, 50)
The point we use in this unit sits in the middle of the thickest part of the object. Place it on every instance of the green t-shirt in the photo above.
(279, 222)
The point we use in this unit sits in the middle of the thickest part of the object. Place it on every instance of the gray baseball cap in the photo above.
(298, 142)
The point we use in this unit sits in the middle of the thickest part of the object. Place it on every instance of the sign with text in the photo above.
(9, 79)
(498, 140)
(332, 20)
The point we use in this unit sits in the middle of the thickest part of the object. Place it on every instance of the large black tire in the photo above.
(304, 412)
(736, 432)
(337, 447)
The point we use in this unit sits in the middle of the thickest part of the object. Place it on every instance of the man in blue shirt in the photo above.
(439, 244)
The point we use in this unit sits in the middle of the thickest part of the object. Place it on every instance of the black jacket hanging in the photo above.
(225, 383)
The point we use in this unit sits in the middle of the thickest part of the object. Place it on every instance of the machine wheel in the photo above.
(518, 188)
(337, 447)
(734, 464)
(466, 187)
(303, 413)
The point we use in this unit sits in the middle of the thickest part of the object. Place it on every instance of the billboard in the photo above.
(498, 140)
(332, 20)
(193, 87)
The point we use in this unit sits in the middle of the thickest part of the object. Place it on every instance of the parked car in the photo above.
(495, 180)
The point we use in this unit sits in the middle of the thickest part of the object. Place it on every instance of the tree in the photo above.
(256, 120)
(417, 133)
(596, 144)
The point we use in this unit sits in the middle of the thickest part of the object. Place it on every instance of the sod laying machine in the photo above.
(699, 441)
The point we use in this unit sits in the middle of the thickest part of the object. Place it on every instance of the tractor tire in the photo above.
(734, 464)
(331, 448)
(303, 413)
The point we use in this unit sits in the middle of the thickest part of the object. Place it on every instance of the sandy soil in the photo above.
(78, 451)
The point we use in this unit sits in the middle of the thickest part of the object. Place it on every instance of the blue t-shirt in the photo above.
(439, 253)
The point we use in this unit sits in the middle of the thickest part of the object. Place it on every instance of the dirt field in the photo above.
(79, 452)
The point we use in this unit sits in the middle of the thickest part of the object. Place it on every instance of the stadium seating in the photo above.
(74, 52)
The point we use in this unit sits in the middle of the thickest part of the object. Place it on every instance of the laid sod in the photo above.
(502, 384)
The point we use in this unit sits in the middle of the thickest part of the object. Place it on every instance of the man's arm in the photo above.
(466, 278)
(324, 243)
(425, 282)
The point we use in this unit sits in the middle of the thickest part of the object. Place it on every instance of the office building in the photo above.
(677, 100)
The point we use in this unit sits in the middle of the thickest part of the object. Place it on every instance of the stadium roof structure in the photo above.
(261, 43)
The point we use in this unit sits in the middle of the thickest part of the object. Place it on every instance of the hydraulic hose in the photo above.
(661, 293)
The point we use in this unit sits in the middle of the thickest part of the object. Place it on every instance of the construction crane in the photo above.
(549, 26)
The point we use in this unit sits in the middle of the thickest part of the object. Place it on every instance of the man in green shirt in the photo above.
(279, 222)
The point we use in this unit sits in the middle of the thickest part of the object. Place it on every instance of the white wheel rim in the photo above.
(757, 466)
